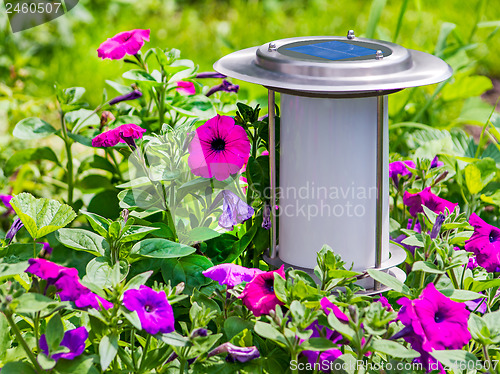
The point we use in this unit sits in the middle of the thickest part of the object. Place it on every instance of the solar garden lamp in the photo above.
(334, 168)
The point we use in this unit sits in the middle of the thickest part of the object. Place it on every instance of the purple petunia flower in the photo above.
(436, 228)
(154, 311)
(435, 163)
(329, 355)
(135, 94)
(67, 283)
(472, 264)
(385, 303)
(484, 243)
(186, 88)
(47, 249)
(210, 74)
(258, 295)
(235, 353)
(225, 86)
(266, 216)
(91, 300)
(399, 168)
(74, 340)
(415, 201)
(402, 237)
(231, 274)
(13, 230)
(234, 210)
(123, 43)
(433, 322)
(478, 305)
(218, 149)
(121, 134)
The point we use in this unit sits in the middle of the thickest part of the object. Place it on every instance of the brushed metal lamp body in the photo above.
(334, 177)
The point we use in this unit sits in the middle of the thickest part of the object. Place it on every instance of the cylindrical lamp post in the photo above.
(334, 177)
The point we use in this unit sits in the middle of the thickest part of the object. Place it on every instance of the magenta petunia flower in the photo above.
(47, 249)
(5, 199)
(399, 168)
(415, 201)
(329, 355)
(433, 321)
(479, 305)
(123, 43)
(484, 243)
(74, 340)
(472, 264)
(67, 283)
(385, 303)
(121, 134)
(154, 311)
(258, 295)
(219, 148)
(231, 274)
(186, 88)
(234, 210)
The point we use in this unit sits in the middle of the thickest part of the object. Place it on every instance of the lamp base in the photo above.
(397, 255)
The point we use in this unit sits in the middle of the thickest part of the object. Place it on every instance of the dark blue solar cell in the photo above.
(333, 50)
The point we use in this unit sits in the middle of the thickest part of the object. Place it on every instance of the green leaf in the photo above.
(4, 336)
(33, 128)
(33, 302)
(54, 332)
(98, 223)
(317, 344)
(41, 216)
(461, 295)
(79, 365)
(100, 273)
(394, 349)
(234, 325)
(455, 359)
(269, 332)
(389, 281)
(479, 174)
(17, 368)
(374, 17)
(45, 362)
(342, 328)
(26, 155)
(200, 234)
(108, 348)
(161, 248)
(466, 86)
(427, 267)
(175, 339)
(138, 280)
(186, 269)
(83, 240)
(141, 76)
(479, 329)
(136, 232)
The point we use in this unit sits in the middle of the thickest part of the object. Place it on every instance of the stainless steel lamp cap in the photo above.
(333, 64)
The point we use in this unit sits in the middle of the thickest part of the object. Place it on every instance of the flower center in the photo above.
(218, 144)
(269, 284)
(493, 236)
(438, 317)
(148, 308)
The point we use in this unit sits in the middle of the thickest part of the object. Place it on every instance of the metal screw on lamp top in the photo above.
(333, 143)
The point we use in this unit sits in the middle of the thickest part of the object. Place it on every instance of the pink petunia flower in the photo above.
(433, 322)
(123, 43)
(5, 199)
(154, 311)
(414, 202)
(231, 274)
(186, 88)
(218, 149)
(484, 243)
(258, 295)
(74, 340)
(399, 168)
(121, 134)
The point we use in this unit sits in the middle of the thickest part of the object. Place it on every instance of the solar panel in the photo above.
(333, 50)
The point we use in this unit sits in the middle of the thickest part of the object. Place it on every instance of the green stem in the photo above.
(132, 348)
(144, 353)
(23, 343)
(36, 327)
(69, 155)
(182, 366)
(453, 278)
(161, 107)
(295, 358)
